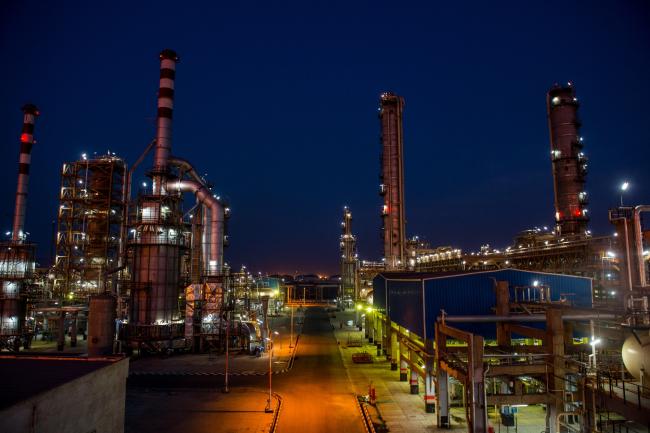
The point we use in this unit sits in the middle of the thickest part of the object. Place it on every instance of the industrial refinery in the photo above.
(559, 319)
(206, 243)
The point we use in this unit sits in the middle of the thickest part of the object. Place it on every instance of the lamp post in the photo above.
(226, 389)
(291, 339)
(624, 187)
(268, 408)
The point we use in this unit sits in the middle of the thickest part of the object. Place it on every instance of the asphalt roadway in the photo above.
(317, 394)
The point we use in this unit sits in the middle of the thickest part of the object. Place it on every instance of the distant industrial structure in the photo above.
(349, 258)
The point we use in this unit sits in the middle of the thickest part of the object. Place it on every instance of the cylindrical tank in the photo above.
(101, 325)
(156, 277)
(636, 357)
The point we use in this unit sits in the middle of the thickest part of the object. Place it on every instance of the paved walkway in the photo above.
(396, 406)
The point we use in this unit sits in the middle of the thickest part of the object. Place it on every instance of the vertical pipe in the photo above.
(26, 141)
(638, 242)
(168, 60)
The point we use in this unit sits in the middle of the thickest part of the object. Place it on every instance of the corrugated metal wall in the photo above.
(405, 302)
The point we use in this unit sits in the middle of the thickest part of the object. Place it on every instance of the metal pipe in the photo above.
(187, 167)
(127, 200)
(216, 219)
(168, 60)
(638, 239)
(531, 318)
(30, 112)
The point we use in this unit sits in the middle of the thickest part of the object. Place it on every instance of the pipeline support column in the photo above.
(555, 341)
(394, 348)
(429, 378)
(442, 382)
(403, 364)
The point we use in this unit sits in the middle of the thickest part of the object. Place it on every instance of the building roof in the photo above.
(25, 376)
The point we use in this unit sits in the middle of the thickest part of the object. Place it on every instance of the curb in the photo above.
(367, 420)
(276, 415)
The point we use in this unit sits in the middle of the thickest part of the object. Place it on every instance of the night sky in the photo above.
(278, 104)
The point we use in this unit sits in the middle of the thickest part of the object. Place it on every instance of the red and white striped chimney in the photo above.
(26, 141)
(168, 60)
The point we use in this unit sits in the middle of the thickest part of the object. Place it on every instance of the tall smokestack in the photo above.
(392, 179)
(569, 162)
(168, 60)
(348, 257)
(26, 141)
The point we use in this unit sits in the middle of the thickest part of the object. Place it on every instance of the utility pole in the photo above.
(291, 338)
(226, 389)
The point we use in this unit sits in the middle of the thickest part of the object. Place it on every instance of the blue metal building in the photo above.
(414, 300)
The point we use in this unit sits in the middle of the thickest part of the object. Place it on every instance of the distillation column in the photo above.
(392, 180)
(348, 257)
(569, 162)
(158, 232)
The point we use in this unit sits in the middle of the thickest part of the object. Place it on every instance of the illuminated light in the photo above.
(615, 234)
(625, 186)
(144, 184)
(24, 138)
(359, 307)
(535, 283)
(577, 212)
(595, 341)
(611, 254)
(613, 292)
(555, 100)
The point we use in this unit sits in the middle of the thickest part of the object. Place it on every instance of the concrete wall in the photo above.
(93, 403)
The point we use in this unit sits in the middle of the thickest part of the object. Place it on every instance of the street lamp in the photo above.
(624, 187)
(268, 408)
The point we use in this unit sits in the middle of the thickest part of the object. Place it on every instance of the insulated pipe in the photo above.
(216, 219)
(638, 239)
(26, 141)
(187, 166)
(522, 318)
(168, 59)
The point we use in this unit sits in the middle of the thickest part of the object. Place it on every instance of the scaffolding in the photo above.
(16, 271)
(90, 225)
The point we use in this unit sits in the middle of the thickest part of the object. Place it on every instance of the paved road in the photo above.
(317, 393)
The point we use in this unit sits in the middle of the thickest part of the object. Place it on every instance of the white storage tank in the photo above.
(636, 357)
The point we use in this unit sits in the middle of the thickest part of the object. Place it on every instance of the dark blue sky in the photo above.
(278, 103)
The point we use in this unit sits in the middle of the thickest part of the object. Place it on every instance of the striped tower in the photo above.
(168, 60)
(26, 141)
